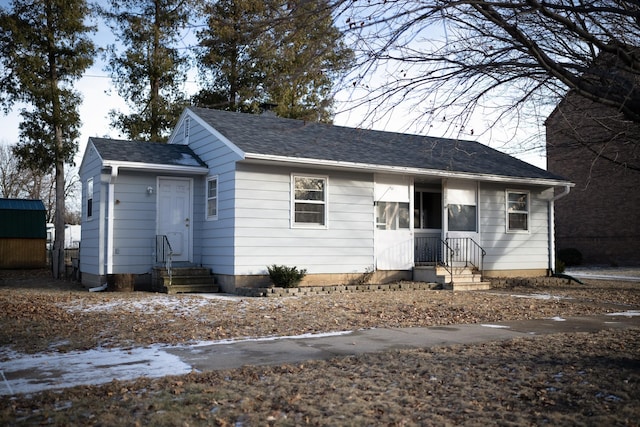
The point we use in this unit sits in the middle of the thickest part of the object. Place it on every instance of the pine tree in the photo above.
(278, 52)
(151, 69)
(44, 48)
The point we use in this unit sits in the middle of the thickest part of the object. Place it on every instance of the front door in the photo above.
(393, 234)
(461, 198)
(174, 215)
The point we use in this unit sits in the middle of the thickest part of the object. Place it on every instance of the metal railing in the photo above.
(164, 253)
(456, 251)
(433, 251)
(467, 252)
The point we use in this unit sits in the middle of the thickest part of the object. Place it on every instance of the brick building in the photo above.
(599, 150)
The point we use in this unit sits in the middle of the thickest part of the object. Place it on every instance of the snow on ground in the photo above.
(25, 373)
(182, 304)
(628, 313)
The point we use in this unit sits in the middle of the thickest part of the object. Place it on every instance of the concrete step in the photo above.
(184, 279)
(468, 286)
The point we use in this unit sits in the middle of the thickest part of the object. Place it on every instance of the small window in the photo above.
(212, 198)
(517, 211)
(392, 215)
(309, 201)
(462, 218)
(89, 198)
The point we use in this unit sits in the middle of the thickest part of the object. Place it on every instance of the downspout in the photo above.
(552, 231)
(110, 213)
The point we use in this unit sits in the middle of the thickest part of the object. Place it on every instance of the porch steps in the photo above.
(183, 279)
(464, 278)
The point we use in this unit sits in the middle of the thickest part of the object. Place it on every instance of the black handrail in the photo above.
(164, 254)
(460, 250)
(468, 252)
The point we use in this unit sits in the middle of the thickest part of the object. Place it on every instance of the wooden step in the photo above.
(184, 279)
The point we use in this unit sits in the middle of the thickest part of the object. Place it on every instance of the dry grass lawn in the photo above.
(563, 379)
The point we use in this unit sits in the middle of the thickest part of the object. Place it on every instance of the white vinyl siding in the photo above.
(213, 241)
(92, 237)
(135, 214)
(512, 251)
(263, 235)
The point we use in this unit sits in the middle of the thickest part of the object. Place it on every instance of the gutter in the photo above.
(552, 231)
(110, 213)
(403, 170)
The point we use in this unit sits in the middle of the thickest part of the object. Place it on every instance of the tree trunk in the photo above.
(57, 257)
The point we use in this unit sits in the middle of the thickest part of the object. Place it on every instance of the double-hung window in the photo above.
(309, 200)
(212, 197)
(517, 211)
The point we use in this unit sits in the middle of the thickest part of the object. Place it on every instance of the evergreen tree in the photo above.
(149, 73)
(278, 52)
(43, 49)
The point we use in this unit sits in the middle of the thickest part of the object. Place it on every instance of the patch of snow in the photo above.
(628, 313)
(26, 373)
(271, 338)
(540, 296)
(558, 319)
(496, 326)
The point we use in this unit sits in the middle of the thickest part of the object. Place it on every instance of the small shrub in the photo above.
(285, 277)
(364, 278)
(570, 256)
(559, 266)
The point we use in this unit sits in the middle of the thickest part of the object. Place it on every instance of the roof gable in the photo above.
(269, 135)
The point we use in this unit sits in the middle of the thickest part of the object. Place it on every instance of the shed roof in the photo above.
(21, 204)
(146, 152)
(274, 136)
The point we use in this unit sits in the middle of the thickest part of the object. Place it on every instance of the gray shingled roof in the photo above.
(146, 152)
(271, 135)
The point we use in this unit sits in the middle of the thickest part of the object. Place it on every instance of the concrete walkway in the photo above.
(293, 350)
(32, 373)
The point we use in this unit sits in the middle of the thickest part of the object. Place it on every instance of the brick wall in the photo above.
(601, 215)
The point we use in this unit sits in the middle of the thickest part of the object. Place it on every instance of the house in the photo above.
(596, 148)
(235, 193)
(22, 233)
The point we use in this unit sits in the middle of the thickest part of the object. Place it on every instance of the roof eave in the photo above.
(367, 167)
(154, 167)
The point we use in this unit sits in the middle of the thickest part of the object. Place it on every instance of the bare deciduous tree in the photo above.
(512, 60)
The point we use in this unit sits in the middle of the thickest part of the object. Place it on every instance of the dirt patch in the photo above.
(577, 379)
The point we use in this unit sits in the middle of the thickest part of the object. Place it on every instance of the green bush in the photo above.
(559, 266)
(570, 256)
(285, 277)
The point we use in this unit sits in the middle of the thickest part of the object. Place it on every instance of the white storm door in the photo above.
(461, 198)
(174, 215)
(393, 233)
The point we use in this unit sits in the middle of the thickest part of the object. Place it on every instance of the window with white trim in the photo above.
(89, 198)
(517, 211)
(212, 197)
(309, 196)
